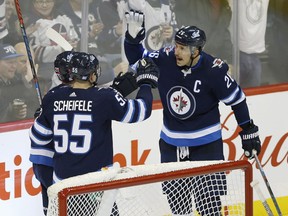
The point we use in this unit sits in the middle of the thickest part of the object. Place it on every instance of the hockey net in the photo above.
(180, 188)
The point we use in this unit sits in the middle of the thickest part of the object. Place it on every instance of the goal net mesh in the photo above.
(180, 188)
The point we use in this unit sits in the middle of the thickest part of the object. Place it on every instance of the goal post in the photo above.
(164, 189)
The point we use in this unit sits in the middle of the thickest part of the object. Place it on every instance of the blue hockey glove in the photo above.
(250, 139)
(125, 83)
(135, 27)
(147, 72)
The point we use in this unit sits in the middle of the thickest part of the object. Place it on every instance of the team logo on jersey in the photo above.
(167, 50)
(217, 63)
(181, 102)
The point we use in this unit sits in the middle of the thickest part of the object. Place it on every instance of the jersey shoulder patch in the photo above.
(218, 63)
(219, 66)
(167, 50)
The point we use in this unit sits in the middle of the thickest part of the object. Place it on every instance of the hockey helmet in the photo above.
(62, 66)
(84, 64)
(95, 64)
(191, 36)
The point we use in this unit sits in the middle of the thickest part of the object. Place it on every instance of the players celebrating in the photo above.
(73, 134)
(191, 85)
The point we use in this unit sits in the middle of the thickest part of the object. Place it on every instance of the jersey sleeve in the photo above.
(224, 86)
(131, 110)
(41, 135)
(229, 92)
(133, 52)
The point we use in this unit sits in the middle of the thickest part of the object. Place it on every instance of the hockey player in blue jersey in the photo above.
(73, 134)
(191, 85)
(43, 172)
(123, 83)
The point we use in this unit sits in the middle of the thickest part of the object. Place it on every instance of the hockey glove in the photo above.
(125, 83)
(135, 27)
(250, 139)
(147, 72)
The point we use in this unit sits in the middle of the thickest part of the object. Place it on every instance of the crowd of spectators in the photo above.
(106, 30)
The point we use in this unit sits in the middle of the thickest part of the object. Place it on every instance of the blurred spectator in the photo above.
(109, 41)
(13, 92)
(213, 16)
(159, 20)
(3, 24)
(252, 28)
(11, 18)
(45, 14)
(276, 37)
(10, 12)
(73, 9)
(24, 76)
(23, 64)
(14, 33)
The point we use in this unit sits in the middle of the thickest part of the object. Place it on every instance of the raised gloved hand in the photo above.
(147, 72)
(135, 27)
(125, 83)
(250, 139)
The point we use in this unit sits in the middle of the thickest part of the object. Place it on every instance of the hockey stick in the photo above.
(254, 184)
(267, 183)
(25, 38)
(57, 38)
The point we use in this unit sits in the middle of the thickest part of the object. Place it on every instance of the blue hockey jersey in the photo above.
(190, 98)
(73, 133)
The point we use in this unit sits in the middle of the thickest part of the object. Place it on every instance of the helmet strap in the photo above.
(191, 57)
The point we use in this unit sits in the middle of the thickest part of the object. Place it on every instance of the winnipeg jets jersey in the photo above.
(73, 133)
(190, 98)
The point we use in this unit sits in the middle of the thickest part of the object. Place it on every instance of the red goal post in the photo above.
(150, 189)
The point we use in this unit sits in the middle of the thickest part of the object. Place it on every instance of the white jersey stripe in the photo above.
(239, 100)
(231, 97)
(42, 152)
(37, 141)
(41, 129)
(142, 110)
(191, 134)
(129, 114)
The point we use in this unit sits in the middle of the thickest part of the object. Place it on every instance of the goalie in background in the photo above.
(73, 133)
(191, 85)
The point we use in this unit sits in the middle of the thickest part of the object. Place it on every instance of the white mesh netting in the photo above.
(209, 192)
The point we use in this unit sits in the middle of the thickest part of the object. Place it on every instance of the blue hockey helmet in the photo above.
(191, 36)
(84, 64)
(62, 66)
(94, 63)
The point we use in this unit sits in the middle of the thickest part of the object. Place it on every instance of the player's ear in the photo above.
(92, 78)
(195, 53)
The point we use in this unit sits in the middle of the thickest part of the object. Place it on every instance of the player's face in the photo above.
(183, 55)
